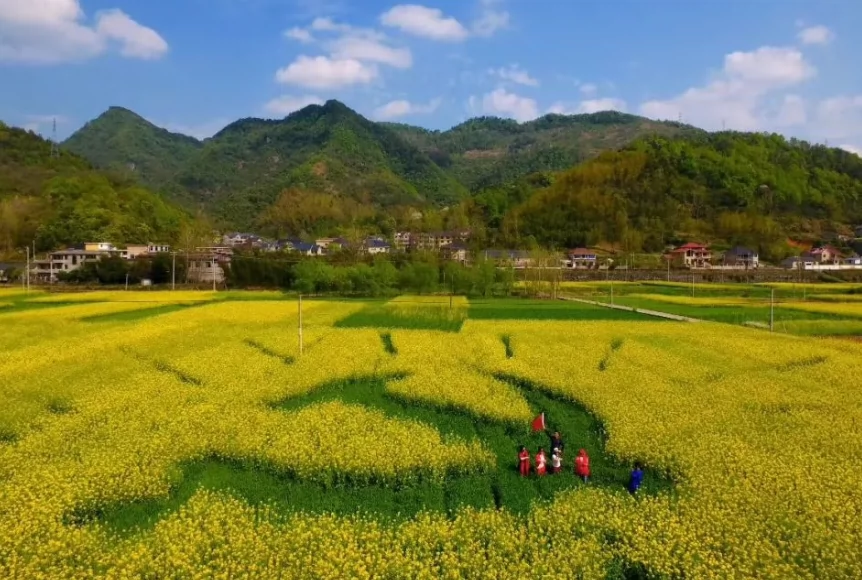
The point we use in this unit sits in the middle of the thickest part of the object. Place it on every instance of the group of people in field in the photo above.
(581, 463)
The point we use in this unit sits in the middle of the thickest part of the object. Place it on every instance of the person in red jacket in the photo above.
(582, 465)
(524, 462)
(541, 469)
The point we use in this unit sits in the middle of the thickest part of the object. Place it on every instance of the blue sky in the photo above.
(195, 65)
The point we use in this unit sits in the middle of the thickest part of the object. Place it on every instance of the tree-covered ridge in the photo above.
(241, 170)
(489, 151)
(121, 140)
(64, 201)
(737, 188)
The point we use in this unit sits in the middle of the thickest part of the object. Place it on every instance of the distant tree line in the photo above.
(380, 276)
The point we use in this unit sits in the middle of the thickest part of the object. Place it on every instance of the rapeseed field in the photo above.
(202, 442)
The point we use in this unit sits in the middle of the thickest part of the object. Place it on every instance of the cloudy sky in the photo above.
(195, 65)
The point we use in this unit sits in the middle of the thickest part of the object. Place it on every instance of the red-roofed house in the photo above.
(692, 255)
(583, 258)
(823, 255)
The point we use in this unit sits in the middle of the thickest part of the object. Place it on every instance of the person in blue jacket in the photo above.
(636, 478)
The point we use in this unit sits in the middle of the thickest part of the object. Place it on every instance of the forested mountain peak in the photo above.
(122, 140)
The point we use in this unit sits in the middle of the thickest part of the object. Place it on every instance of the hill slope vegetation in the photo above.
(63, 200)
(331, 149)
(744, 188)
(121, 140)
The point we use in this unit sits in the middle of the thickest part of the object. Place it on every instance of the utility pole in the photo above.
(300, 324)
(174, 270)
(612, 292)
(28, 268)
(668, 269)
(214, 274)
(772, 311)
(127, 280)
(692, 285)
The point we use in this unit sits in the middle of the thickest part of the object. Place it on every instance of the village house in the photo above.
(457, 252)
(852, 260)
(432, 241)
(858, 231)
(308, 249)
(7, 270)
(823, 255)
(511, 258)
(132, 251)
(67, 260)
(742, 257)
(582, 258)
(374, 246)
(692, 255)
(203, 267)
(402, 240)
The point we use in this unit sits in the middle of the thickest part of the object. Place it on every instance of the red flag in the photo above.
(539, 423)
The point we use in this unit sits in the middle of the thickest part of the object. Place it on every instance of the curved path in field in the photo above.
(502, 487)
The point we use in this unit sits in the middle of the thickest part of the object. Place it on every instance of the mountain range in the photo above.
(239, 172)
(608, 180)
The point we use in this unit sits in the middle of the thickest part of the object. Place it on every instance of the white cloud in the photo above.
(321, 72)
(838, 118)
(402, 108)
(299, 34)
(852, 149)
(792, 112)
(425, 22)
(589, 106)
(736, 97)
(491, 19)
(136, 41)
(505, 104)
(516, 75)
(328, 25)
(588, 88)
(55, 31)
(372, 50)
(816, 35)
(286, 104)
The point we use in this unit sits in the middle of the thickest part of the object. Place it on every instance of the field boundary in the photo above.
(656, 313)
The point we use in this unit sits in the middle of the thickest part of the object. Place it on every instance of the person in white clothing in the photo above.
(557, 461)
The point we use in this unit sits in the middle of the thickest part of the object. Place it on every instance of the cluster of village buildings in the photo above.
(699, 256)
(206, 263)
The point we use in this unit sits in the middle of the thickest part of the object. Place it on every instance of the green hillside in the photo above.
(123, 141)
(240, 171)
(560, 180)
(489, 151)
(745, 188)
(63, 201)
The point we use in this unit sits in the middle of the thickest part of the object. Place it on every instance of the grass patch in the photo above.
(164, 367)
(507, 343)
(265, 350)
(503, 487)
(520, 309)
(140, 314)
(59, 407)
(388, 345)
(802, 363)
(7, 435)
(432, 317)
